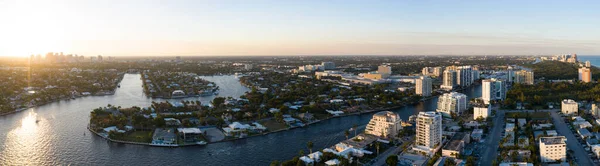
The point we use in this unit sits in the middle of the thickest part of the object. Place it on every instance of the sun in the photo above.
(28, 29)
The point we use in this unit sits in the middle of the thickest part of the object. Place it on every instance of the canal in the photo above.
(56, 134)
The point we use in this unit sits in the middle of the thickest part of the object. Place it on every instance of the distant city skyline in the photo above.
(268, 27)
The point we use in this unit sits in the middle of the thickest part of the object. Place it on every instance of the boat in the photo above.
(206, 93)
(216, 92)
(201, 143)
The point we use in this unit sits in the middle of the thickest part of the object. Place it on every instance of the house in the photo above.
(164, 137)
(584, 133)
(333, 162)
(476, 134)
(551, 133)
(189, 134)
(172, 122)
(456, 144)
(273, 110)
(236, 128)
(306, 116)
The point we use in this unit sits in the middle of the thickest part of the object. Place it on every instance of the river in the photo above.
(60, 137)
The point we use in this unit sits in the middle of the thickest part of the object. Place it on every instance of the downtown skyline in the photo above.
(196, 28)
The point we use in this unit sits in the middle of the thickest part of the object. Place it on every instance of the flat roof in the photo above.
(553, 140)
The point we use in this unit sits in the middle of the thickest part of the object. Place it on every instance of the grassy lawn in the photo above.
(273, 125)
(534, 115)
(139, 136)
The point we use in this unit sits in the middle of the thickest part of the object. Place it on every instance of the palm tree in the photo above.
(309, 144)
(347, 133)
(377, 144)
(354, 127)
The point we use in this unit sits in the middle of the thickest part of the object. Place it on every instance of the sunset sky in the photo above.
(299, 27)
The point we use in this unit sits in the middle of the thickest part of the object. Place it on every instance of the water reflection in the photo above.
(22, 144)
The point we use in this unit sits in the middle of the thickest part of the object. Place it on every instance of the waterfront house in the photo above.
(235, 128)
(164, 136)
(189, 134)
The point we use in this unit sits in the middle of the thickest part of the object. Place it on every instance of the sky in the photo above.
(299, 27)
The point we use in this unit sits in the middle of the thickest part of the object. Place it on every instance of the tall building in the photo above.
(481, 110)
(248, 66)
(464, 76)
(569, 107)
(423, 86)
(449, 80)
(524, 77)
(585, 74)
(588, 64)
(595, 110)
(429, 130)
(493, 89)
(328, 65)
(452, 102)
(384, 124)
(553, 149)
(384, 70)
(425, 71)
(438, 71)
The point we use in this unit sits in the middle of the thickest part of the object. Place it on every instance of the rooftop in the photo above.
(553, 140)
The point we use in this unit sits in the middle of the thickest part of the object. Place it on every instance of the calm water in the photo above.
(61, 137)
(594, 59)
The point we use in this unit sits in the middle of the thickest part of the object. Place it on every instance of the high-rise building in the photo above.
(429, 130)
(464, 76)
(524, 77)
(328, 65)
(595, 110)
(588, 64)
(585, 74)
(438, 71)
(569, 107)
(425, 71)
(449, 80)
(553, 149)
(384, 124)
(452, 102)
(384, 70)
(493, 89)
(248, 66)
(423, 86)
(481, 110)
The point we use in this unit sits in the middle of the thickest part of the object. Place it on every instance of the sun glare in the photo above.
(31, 28)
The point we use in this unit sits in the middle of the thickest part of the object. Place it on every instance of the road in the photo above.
(572, 143)
(493, 139)
(380, 160)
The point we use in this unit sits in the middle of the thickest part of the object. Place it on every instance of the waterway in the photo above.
(56, 134)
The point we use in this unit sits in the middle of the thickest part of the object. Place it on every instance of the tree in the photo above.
(347, 133)
(392, 160)
(218, 101)
(355, 127)
(377, 144)
(275, 163)
(309, 144)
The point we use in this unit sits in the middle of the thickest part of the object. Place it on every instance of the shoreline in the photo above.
(109, 93)
(289, 128)
(271, 132)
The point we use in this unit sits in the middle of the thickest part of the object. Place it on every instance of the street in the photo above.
(572, 143)
(492, 140)
(380, 160)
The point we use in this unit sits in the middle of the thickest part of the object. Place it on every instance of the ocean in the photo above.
(594, 59)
